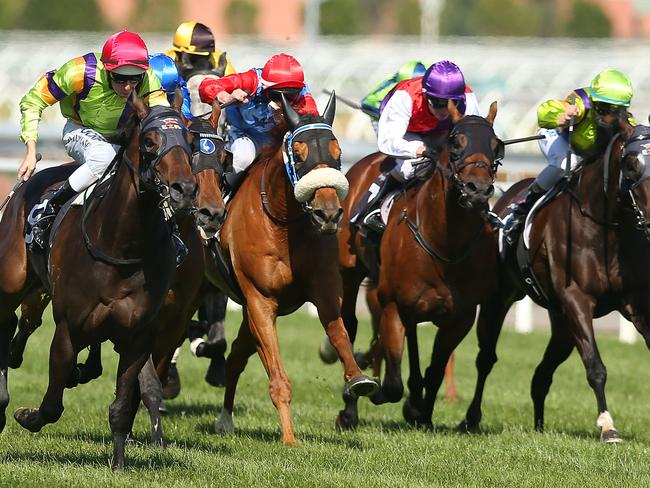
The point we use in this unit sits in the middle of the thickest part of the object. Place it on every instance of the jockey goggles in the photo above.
(602, 108)
(124, 79)
(436, 102)
(290, 93)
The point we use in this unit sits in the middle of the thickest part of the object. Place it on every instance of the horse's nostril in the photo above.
(471, 187)
(490, 191)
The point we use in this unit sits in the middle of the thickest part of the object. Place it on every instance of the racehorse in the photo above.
(131, 258)
(586, 248)
(436, 243)
(280, 242)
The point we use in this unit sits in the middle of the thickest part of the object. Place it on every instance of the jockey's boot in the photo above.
(43, 213)
(232, 180)
(367, 212)
(520, 211)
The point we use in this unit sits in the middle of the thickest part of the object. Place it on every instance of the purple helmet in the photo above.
(444, 80)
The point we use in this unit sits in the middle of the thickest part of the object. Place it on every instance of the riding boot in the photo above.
(520, 211)
(43, 213)
(232, 180)
(367, 212)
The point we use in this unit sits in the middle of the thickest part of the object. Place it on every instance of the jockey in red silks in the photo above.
(414, 121)
(253, 121)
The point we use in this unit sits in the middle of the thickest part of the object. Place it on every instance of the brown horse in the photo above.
(281, 244)
(435, 244)
(132, 263)
(586, 248)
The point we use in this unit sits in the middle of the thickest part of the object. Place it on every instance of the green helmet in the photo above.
(611, 86)
(409, 70)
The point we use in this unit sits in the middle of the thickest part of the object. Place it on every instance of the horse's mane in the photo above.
(124, 133)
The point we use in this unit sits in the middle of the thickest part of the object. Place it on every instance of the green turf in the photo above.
(382, 452)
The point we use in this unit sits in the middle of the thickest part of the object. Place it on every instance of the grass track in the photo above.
(382, 452)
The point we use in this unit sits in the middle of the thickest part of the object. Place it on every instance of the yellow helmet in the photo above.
(194, 38)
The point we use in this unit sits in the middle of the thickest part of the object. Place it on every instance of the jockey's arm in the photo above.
(232, 87)
(48, 90)
(556, 113)
(393, 125)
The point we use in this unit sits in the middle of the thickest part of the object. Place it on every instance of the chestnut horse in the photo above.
(281, 244)
(436, 243)
(586, 248)
(109, 280)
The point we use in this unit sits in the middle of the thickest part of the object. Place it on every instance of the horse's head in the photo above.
(163, 155)
(635, 170)
(313, 162)
(207, 166)
(474, 153)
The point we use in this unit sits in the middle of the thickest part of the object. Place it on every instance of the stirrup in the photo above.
(374, 222)
(180, 247)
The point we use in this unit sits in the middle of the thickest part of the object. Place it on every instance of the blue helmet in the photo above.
(166, 71)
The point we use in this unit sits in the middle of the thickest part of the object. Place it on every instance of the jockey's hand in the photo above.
(428, 152)
(238, 95)
(569, 111)
(28, 164)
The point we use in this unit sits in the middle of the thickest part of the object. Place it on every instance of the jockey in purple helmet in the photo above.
(414, 120)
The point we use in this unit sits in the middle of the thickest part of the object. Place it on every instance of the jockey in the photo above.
(372, 101)
(197, 58)
(167, 73)
(93, 90)
(414, 120)
(253, 121)
(610, 93)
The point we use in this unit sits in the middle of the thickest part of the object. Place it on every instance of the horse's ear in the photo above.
(178, 103)
(291, 116)
(492, 113)
(141, 108)
(216, 114)
(330, 109)
(453, 111)
(222, 64)
(627, 129)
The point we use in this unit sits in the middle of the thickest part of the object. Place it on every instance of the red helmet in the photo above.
(283, 71)
(125, 53)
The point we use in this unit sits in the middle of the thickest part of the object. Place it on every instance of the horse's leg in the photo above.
(373, 357)
(557, 351)
(62, 358)
(413, 403)
(7, 329)
(242, 349)
(392, 337)
(121, 412)
(151, 395)
(579, 311)
(490, 321)
(216, 343)
(449, 335)
(31, 318)
(450, 385)
(92, 368)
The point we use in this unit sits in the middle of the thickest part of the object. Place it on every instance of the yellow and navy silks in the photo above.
(585, 127)
(84, 92)
(214, 57)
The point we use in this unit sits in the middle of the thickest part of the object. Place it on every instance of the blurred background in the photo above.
(518, 52)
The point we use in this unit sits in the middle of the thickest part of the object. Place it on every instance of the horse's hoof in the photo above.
(326, 351)
(345, 421)
(29, 418)
(162, 408)
(611, 436)
(73, 379)
(87, 374)
(14, 360)
(411, 414)
(224, 424)
(361, 386)
(172, 387)
(378, 398)
(467, 427)
(363, 360)
(216, 374)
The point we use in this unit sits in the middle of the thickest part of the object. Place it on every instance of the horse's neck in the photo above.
(596, 196)
(125, 217)
(442, 220)
(278, 189)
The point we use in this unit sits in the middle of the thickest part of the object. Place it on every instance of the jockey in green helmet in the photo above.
(595, 111)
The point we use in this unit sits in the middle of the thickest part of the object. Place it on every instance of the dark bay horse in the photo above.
(436, 243)
(110, 267)
(587, 248)
(281, 244)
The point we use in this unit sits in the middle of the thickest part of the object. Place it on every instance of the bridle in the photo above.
(637, 146)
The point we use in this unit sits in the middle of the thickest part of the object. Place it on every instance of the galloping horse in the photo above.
(436, 244)
(281, 244)
(607, 222)
(110, 266)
